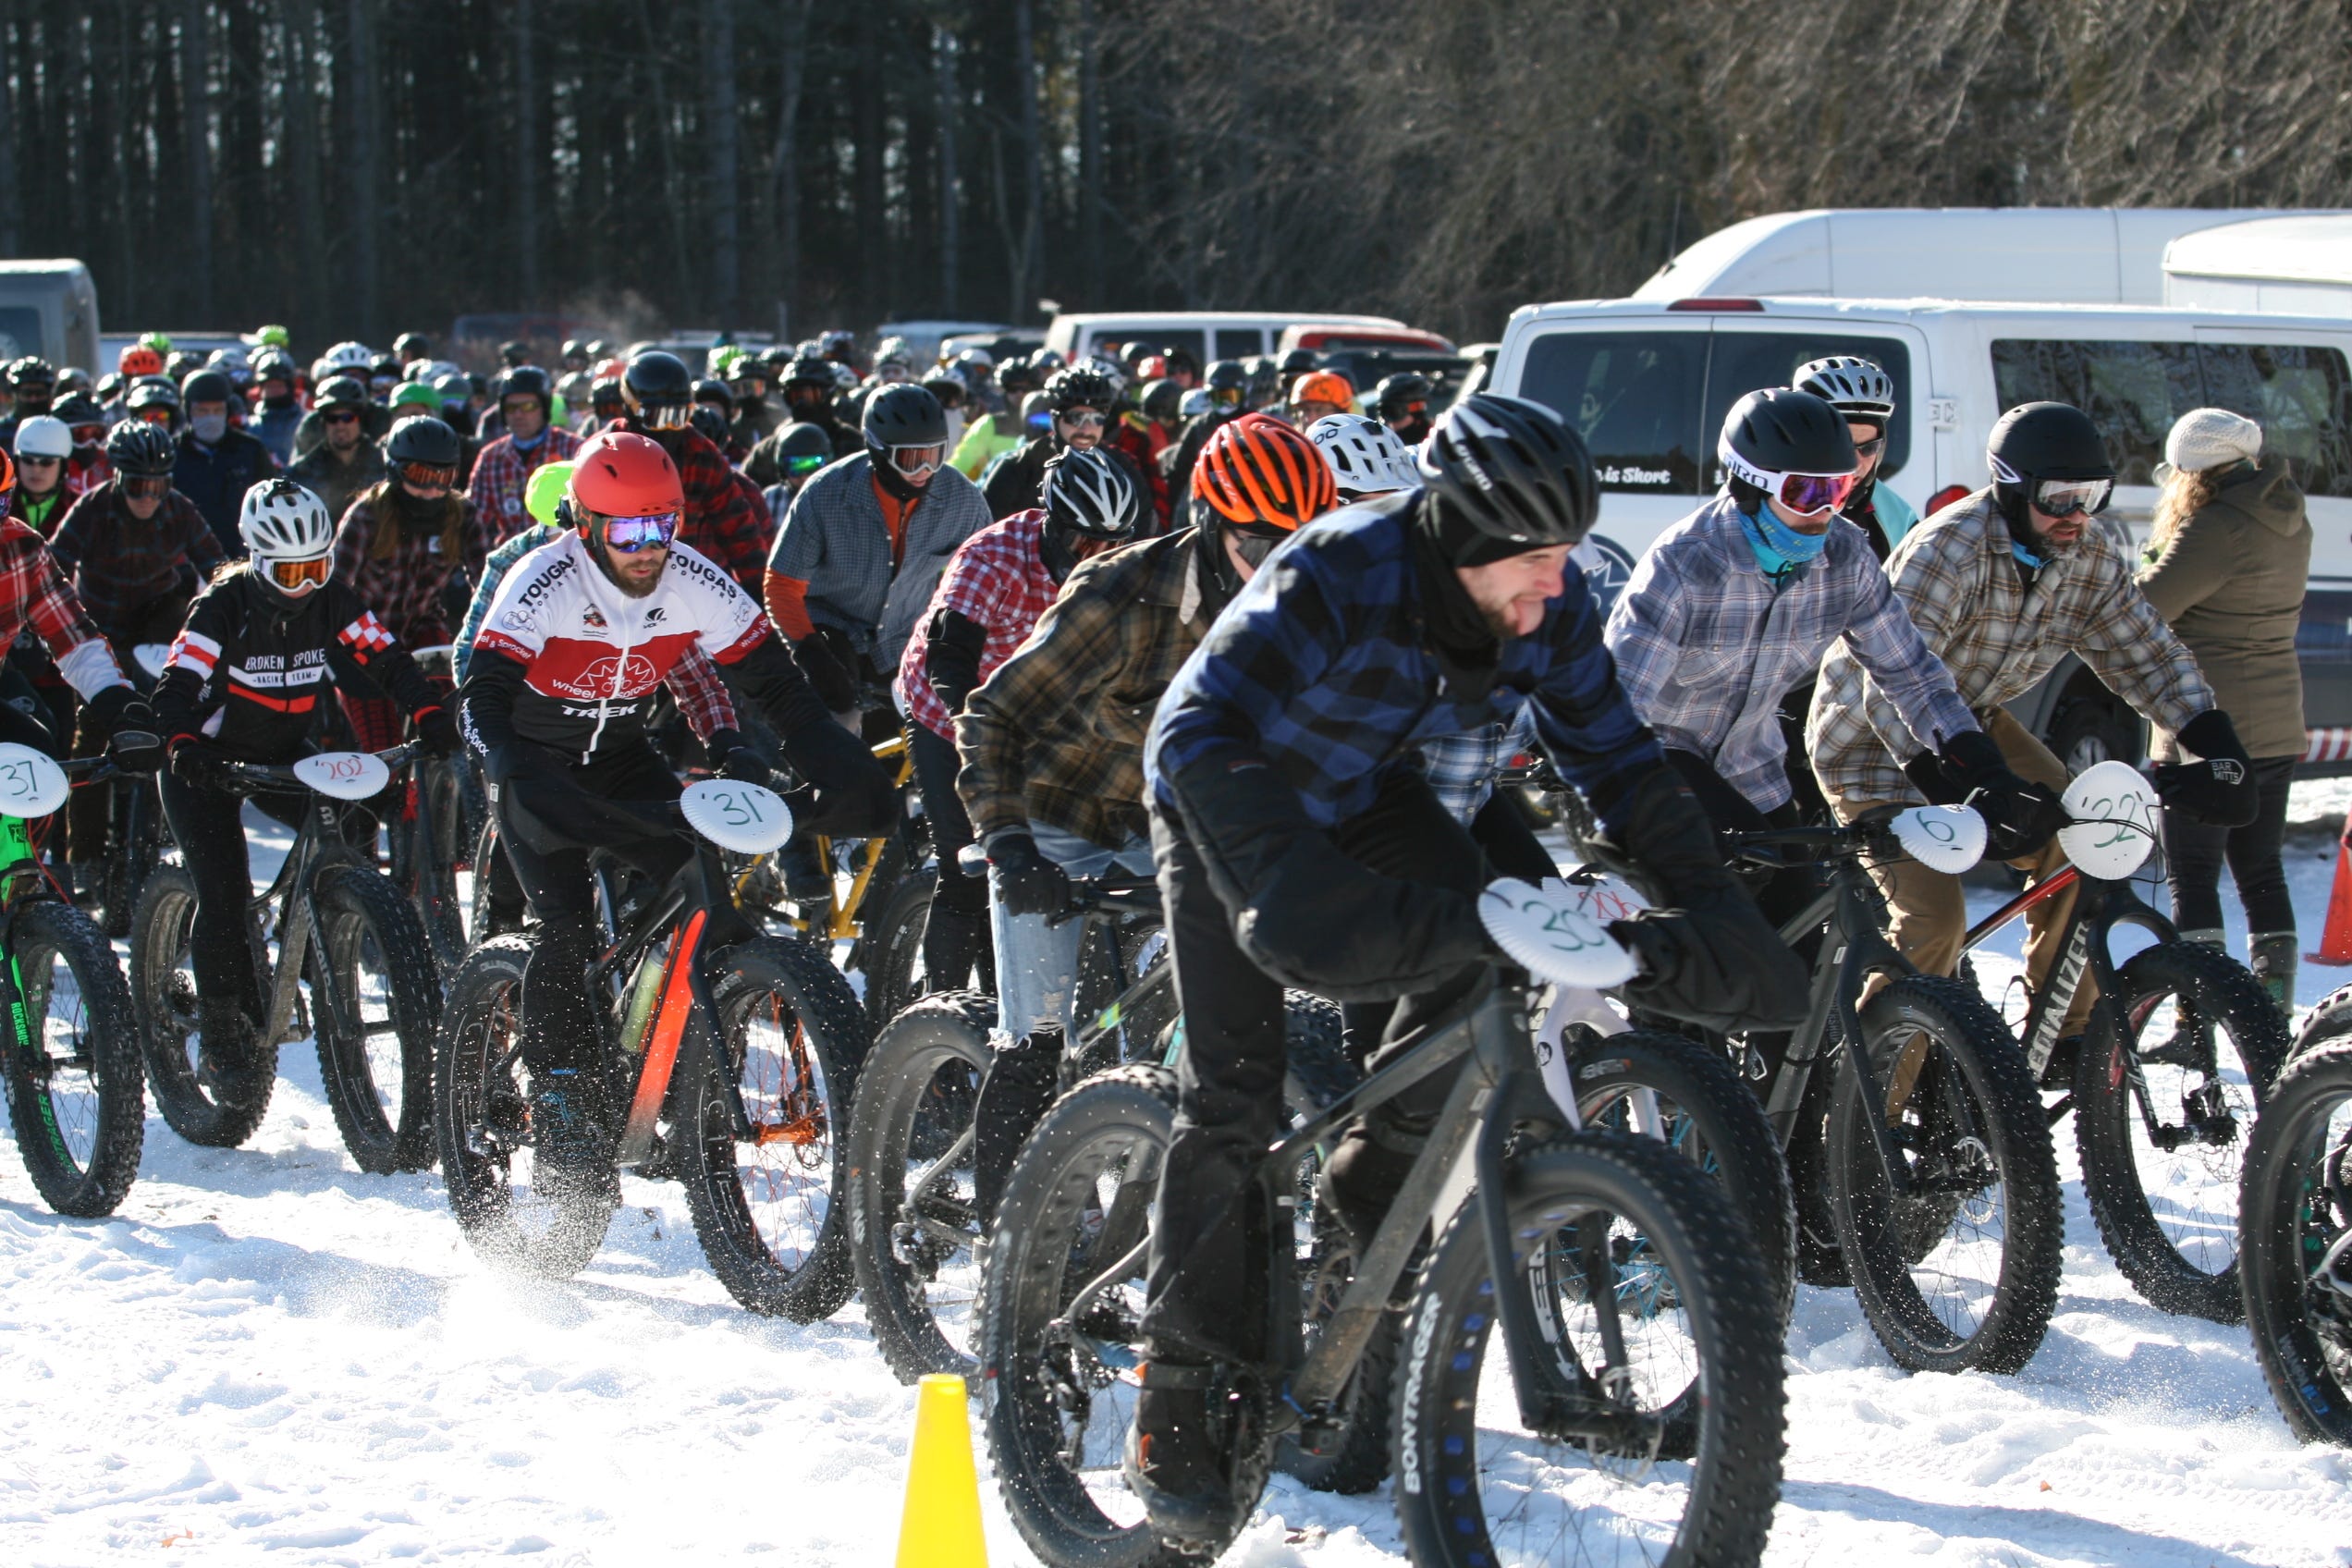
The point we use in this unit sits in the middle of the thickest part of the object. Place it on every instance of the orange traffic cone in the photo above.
(2336, 941)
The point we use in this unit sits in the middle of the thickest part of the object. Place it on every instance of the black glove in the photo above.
(1707, 956)
(733, 758)
(855, 797)
(2019, 817)
(1027, 883)
(199, 761)
(835, 686)
(134, 738)
(438, 732)
(2219, 790)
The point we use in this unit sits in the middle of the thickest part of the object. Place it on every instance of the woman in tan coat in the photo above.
(2226, 565)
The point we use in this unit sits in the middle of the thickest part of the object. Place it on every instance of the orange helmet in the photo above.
(137, 358)
(1257, 469)
(621, 473)
(1324, 386)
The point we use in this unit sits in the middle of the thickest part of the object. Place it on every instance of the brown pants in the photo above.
(1929, 910)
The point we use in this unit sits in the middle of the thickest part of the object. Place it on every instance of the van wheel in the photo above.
(2087, 731)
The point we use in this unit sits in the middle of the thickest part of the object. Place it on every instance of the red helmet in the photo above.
(137, 360)
(621, 473)
(1256, 469)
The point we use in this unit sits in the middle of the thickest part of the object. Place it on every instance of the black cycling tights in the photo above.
(208, 827)
(2194, 852)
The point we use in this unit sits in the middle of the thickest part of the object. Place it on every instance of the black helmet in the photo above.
(807, 370)
(1078, 387)
(32, 371)
(528, 381)
(140, 449)
(1404, 388)
(1298, 362)
(150, 392)
(421, 440)
(78, 409)
(799, 442)
(605, 394)
(2036, 445)
(657, 376)
(1504, 476)
(903, 415)
(346, 391)
(1227, 375)
(1019, 375)
(208, 387)
(514, 353)
(1089, 491)
(275, 364)
(1180, 357)
(1781, 431)
(182, 364)
(411, 343)
(385, 365)
(710, 389)
(1162, 401)
(710, 422)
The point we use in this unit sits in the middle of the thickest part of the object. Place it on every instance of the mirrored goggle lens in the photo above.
(146, 486)
(88, 435)
(1225, 394)
(429, 476)
(916, 462)
(155, 413)
(296, 574)
(1041, 421)
(797, 467)
(631, 535)
(1806, 493)
(2067, 498)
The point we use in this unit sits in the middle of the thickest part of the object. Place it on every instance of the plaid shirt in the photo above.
(834, 540)
(1056, 735)
(1463, 768)
(702, 696)
(998, 581)
(503, 472)
(721, 520)
(405, 587)
(35, 597)
(1321, 668)
(1708, 647)
(1954, 573)
(121, 566)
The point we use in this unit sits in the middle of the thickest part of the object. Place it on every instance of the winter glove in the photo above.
(2019, 817)
(436, 731)
(1027, 883)
(733, 758)
(2218, 790)
(855, 798)
(1707, 956)
(135, 741)
(199, 761)
(821, 661)
(1305, 912)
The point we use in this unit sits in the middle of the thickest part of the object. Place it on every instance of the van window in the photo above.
(19, 331)
(2301, 397)
(1744, 361)
(1239, 342)
(1161, 338)
(1635, 398)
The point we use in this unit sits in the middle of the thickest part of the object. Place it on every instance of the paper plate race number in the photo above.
(1945, 838)
(748, 818)
(344, 776)
(31, 785)
(1554, 933)
(2114, 827)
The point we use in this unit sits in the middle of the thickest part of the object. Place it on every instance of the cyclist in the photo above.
(32, 382)
(243, 686)
(808, 386)
(346, 460)
(135, 547)
(2003, 584)
(755, 417)
(1052, 744)
(277, 412)
(86, 469)
(1865, 395)
(996, 586)
(154, 401)
(1319, 395)
(502, 472)
(723, 520)
(575, 384)
(1403, 402)
(411, 347)
(44, 447)
(1226, 385)
(1297, 841)
(800, 451)
(1000, 429)
(50, 636)
(581, 633)
(1083, 400)
(217, 462)
(864, 545)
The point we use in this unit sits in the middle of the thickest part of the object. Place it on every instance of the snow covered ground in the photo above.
(269, 1358)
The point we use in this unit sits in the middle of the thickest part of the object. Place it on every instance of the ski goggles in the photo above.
(88, 435)
(429, 476)
(918, 462)
(1803, 494)
(155, 414)
(2072, 498)
(1082, 418)
(146, 486)
(630, 534)
(667, 416)
(311, 572)
(801, 468)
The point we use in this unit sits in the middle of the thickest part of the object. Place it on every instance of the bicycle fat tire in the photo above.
(806, 1123)
(892, 945)
(105, 1051)
(1445, 1484)
(2226, 996)
(2288, 1215)
(2330, 1020)
(163, 998)
(1975, 1079)
(357, 906)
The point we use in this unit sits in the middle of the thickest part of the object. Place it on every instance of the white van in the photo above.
(2077, 255)
(50, 308)
(2299, 265)
(1648, 384)
(1206, 334)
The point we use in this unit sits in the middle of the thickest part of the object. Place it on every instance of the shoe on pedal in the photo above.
(1176, 1460)
(572, 1149)
(227, 1063)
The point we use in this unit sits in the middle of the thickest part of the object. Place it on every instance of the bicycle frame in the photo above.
(846, 911)
(2099, 907)
(317, 842)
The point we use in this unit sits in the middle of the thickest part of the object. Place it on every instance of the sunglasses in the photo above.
(146, 486)
(340, 416)
(631, 535)
(916, 462)
(796, 467)
(1865, 450)
(290, 575)
(429, 476)
(1084, 419)
(2071, 498)
(27, 459)
(1805, 494)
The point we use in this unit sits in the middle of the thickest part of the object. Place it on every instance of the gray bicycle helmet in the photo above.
(1854, 386)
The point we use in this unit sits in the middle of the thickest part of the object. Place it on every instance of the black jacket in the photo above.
(1017, 483)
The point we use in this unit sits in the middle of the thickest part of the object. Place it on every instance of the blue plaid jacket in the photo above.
(1706, 647)
(1320, 669)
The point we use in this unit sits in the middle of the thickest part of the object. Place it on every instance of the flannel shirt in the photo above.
(1954, 574)
(1320, 667)
(1463, 768)
(405, 587)
(693, 681)
(720, 520)
(834, 540)
(120, 565)
(35, 597)
(1056, 735)
(998, 581)
(502, 473)
(1708, 647)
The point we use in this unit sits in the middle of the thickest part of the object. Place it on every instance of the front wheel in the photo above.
(2294, 1216)
(763, 1136)
(1645, 1280)
(76, 1097)
(218, 1104)
(2162, 1117)
(1960, 1273)
(375, 1045)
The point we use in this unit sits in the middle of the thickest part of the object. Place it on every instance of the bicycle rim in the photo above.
(64, 1052)
(786, 1169)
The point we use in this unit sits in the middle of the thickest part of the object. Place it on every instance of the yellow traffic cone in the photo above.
(941, 1527)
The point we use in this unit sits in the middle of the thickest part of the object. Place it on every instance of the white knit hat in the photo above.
(2204, 438)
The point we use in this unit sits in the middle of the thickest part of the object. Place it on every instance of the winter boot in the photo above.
(1022, 1078)
(2272, 955)
(228, 1060)
(571, 1146)
(1177, 1462)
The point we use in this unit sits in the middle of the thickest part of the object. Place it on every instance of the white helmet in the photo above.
(42, 436)
(281, 519)
(349, 355)
(1849, 384)
(1364, 454)
(1195, 403)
